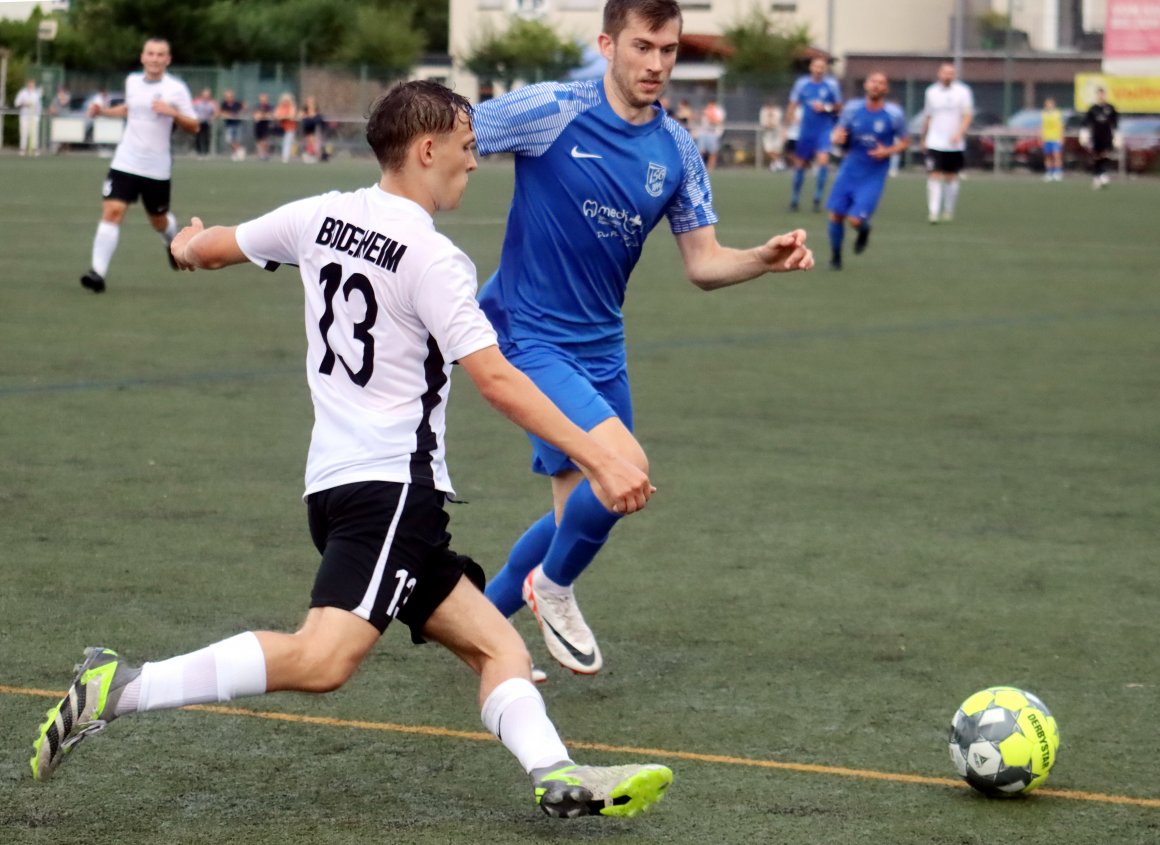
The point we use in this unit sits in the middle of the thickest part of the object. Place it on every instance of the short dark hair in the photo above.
(409, 110)
(655, 13)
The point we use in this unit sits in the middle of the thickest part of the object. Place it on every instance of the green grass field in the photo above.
(879, 490)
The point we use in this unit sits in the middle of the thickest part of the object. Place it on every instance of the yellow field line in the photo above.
(482, 736)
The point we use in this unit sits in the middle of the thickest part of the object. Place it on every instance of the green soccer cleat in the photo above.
(87, 708)
(567, 790)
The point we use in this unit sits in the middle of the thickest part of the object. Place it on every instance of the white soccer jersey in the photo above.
(946, 105)
(390, 305)
(144, 148)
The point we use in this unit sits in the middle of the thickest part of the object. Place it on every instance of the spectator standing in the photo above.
(287, 116)
(61, 102)
(684, 114)
(206, 110)
(230, 109)
(1101, 122)
(98, 100)
(311, 127)
(263, 116)
(711, 129)
(30, 103)
(770, 118)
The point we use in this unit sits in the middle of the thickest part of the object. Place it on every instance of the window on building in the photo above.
(788, 8)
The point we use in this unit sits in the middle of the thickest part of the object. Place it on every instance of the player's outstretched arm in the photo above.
(710, 266)
(198, 248)
(620, 486)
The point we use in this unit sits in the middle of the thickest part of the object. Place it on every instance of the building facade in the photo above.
(836, 26)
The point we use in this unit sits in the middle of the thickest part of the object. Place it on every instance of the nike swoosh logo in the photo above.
(576, 153)
(581, 657)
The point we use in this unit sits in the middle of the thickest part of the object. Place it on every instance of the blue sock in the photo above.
(837, 230)
(823, 174)
(582, 532)
(799, 178)
(505, 589)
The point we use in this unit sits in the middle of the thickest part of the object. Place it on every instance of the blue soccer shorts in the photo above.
(809, 146)
(1051, 147)
(588, 388)
(856, 194)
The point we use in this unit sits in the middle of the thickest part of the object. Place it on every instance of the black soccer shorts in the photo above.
(385, 552)
(127, 187)
(944, 161)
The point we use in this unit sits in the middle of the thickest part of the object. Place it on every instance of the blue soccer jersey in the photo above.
(817, 125)
(589, 188)
(867, 130)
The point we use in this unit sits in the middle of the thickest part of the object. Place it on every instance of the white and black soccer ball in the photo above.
(1003, 741)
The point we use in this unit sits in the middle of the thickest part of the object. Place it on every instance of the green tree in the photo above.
(529, 51)
(106, 34)
(762, 50)
(379, 37)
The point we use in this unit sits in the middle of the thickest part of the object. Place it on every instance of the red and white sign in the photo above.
(1132, 29)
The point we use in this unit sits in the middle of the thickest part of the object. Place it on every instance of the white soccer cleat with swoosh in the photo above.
(567, 635)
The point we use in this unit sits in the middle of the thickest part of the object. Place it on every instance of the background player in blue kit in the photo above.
(819, 99)
(598, 164)
(872, 130)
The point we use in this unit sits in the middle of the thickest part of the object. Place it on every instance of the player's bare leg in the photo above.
(104, 244)
(512, 709)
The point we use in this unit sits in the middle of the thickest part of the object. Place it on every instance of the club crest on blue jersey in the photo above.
(654, 182)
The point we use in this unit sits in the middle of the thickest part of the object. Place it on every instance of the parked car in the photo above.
(1140, 135)
(976, 154)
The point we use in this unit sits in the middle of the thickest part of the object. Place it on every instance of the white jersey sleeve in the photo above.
(445, 303)
(273, 239)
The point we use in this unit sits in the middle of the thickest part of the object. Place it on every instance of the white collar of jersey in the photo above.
(400, 203)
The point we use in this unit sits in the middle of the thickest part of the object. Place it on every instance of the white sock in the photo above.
(230, 669)
(515, 713)
(933, 196)
(543, 584)
(170, 228)
(104, 245)
(952, 195)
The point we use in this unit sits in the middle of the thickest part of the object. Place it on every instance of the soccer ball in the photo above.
(1003, 741)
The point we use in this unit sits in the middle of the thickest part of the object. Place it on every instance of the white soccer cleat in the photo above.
(567, 635)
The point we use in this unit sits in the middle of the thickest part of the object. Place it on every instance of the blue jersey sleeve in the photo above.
(846, 120)
(795, 93)
(692, 207)
(529, 120)
(834, 88)
(898, 117)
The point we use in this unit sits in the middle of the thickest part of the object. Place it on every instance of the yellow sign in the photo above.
(1129, 94)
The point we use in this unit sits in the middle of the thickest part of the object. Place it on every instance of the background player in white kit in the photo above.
(948, 108)
(143, 164)
(390, 305)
